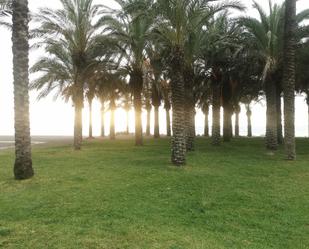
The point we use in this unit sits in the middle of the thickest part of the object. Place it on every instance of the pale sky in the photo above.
(49, 117)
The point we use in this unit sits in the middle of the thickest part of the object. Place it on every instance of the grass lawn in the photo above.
(114, 195)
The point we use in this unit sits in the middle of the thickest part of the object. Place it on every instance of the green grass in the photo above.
(114, 195)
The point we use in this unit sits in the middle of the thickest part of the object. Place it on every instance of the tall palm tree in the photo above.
(267, 33)
(20, 38)
(289, 50)
(218, 46)
(70, 37)
(128, 30)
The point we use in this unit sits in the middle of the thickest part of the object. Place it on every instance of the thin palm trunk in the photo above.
(156, 122)
(289, 78)
(102, 119)
(216, 127)
(178, 99)
(271, 116)
(237, 123)
(279, 117)
(137, 83)
(227, 111)
(148, 121)
(112, 133)
(20, 38)
(90, 119)
(249, 122)
(168, 122)
(206, 122)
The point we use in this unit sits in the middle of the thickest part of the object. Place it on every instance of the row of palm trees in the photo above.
(188, 53)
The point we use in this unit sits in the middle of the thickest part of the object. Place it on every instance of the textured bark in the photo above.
(102, 119)
(156, 122)
(136, 81)
(189, 109)
(206, 121)
(227, 124)
(289, 78)
(90, 119)
(178, 99)
(78, 125)
(237, 112)
(112, 133)
(279, 117)
(189, 126)
(249, 122)
(20, 38)
(216, 127)
(148, 121)
(168, 123)
(271, 116)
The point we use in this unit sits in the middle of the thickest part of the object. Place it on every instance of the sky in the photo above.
(49, 117)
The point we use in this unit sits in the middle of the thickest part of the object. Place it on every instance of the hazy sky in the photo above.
(56, 118)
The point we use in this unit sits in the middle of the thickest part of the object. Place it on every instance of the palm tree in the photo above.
(218, 48)
(155, 55)
(20, 38)
(176, 21)
(70, 37)
(267, 34)
(128, 30)
(289, 50)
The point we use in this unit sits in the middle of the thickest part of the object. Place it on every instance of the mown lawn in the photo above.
(114, 195)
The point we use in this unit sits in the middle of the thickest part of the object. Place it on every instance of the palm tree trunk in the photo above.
(271, 116)
(156, 122)
(289, 78)
(112, 133)
(227, 110)
(148, 121)
(279, 117)
(206, 122)
(137, 83)
(216, 127)
(237, 123)
(178, 99)
(20, 38)
(78, 127)
(190, 126)
(90, 119)
(249, 122)
(102, 119)
(168, 123)
(227, 124)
